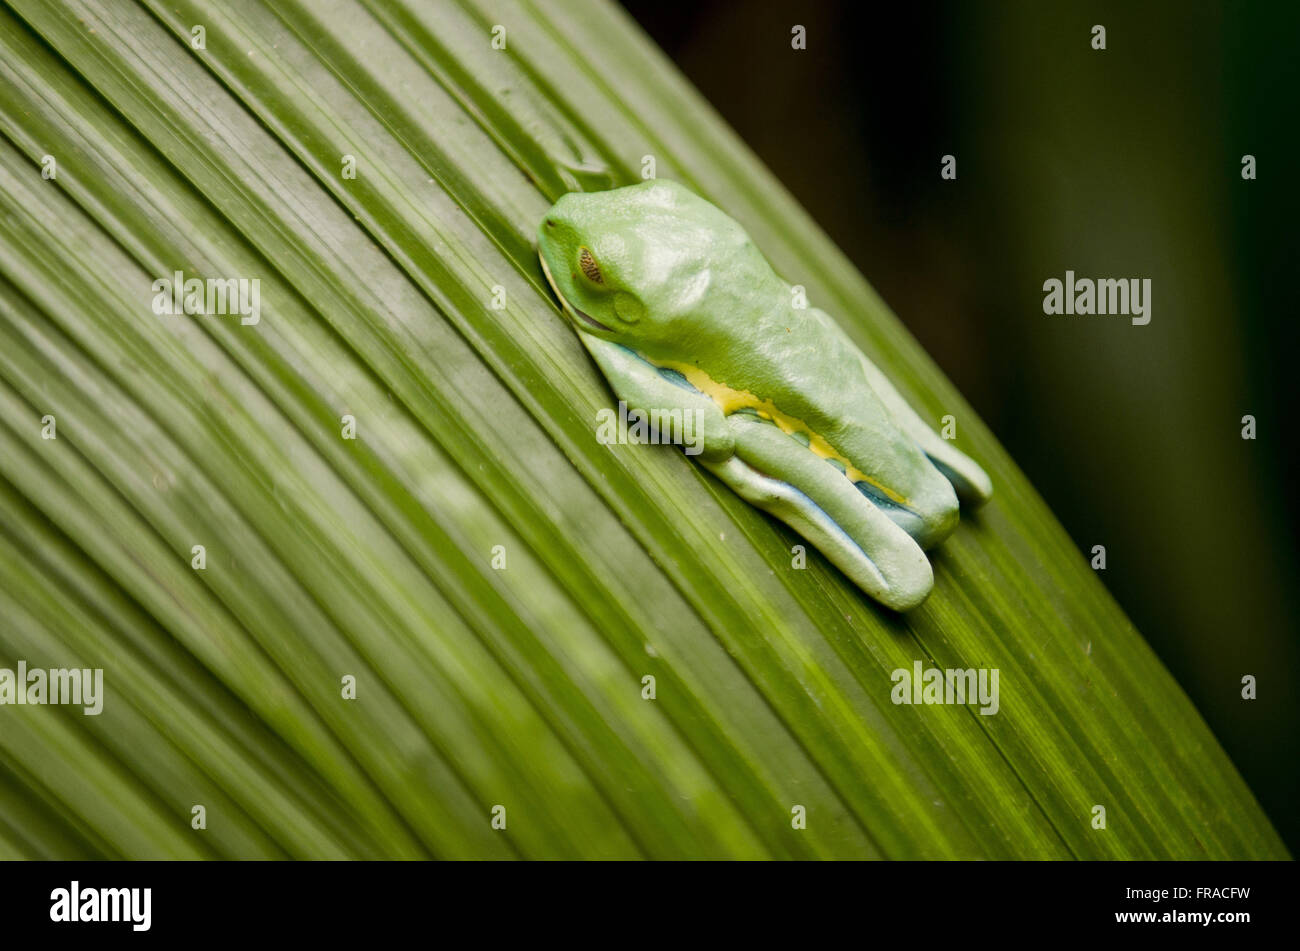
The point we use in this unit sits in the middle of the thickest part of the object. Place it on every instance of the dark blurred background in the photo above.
(1117, 163)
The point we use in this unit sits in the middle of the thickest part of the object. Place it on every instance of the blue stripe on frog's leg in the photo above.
(643, 386)
(677, 379)
(900, 515)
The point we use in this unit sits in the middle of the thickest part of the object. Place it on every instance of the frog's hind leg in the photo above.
(773, 472)
(972, 483)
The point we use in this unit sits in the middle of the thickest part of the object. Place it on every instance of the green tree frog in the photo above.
(681, 311)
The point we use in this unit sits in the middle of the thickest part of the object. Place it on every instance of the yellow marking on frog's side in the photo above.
(729, 400)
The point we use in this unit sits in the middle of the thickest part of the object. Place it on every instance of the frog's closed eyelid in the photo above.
(589, 267)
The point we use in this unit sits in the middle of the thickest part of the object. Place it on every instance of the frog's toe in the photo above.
(972, 483)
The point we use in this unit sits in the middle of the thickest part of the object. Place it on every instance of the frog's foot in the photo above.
(816, 500)
(972, 484)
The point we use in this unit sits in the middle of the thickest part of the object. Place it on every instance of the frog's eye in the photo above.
(589, 267)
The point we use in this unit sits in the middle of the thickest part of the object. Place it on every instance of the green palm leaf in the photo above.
(379, 557)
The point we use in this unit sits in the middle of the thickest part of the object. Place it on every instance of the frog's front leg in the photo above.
(643, 386)
(779, 475)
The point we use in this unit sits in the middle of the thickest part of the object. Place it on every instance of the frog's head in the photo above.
(629, 262)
